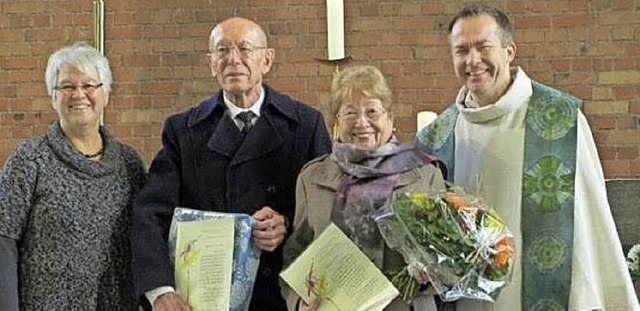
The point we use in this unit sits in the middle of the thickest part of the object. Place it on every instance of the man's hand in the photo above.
(170, 302)
(270, 230)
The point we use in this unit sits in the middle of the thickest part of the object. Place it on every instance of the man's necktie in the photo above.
(246, 118)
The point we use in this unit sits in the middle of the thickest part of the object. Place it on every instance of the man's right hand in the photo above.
(170, 302)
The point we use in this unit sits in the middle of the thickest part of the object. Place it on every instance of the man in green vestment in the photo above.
(528, 150)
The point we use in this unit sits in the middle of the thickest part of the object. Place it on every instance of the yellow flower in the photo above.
(322, 285)
(493, 221)
(190, 254)
(418, 198)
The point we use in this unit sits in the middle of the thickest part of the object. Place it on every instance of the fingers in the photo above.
(170, 302)
(424, 277)
(419, 272)
(270, 230)
(270, 223)
(268, 220)
(264, 213)
(269, 239)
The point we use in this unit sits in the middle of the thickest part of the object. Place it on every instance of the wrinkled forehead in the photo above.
(235, 34)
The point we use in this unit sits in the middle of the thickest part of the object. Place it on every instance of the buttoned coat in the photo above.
(206, 163)
(316, 189)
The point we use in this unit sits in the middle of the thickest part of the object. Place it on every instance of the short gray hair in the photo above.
(81, 56)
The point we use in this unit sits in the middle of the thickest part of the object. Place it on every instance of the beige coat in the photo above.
(315, 190)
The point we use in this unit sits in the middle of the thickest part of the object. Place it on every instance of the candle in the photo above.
(335, 29)
(425, 118)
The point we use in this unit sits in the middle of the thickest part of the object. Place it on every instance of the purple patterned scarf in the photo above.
(367, 190)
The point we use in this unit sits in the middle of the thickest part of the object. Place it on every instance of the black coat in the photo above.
(206, 163)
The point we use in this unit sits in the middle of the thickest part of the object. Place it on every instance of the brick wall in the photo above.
(156, 49)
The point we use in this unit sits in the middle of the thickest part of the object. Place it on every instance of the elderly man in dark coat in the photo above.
(215, 159)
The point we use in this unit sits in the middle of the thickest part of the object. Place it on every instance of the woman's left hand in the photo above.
(419, 272)
(270, 230)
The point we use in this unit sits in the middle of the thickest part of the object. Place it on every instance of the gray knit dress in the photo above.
(70, 219)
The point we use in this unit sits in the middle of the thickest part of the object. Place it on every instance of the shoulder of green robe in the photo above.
(551, 114)
(543, 92)
(434, 136)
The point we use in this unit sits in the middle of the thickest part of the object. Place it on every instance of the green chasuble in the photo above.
(550, 143)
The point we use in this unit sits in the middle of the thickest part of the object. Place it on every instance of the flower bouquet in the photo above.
(453, 241)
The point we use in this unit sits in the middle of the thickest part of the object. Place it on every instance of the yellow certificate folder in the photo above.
(203, 264)
(334, 269)
(215, 259)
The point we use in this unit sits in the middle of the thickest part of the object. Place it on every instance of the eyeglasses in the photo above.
(352, 115)
(245, 49)
(69, 89)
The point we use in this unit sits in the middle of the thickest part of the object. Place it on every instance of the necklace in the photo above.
(95, 155)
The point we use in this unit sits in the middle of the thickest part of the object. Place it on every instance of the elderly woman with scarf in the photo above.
(357, 181)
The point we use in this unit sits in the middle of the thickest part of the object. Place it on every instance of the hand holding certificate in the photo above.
(334, 270)
(215, 259)
(204, 253)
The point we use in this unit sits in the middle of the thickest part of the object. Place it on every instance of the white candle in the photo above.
(425, 118)
(335, 29)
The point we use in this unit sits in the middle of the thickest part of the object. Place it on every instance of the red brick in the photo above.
(626, 92)
(156, 49)
(623, 137)
(390, 8)
(623, 17)
(607, 152)
(615, 168)
(571, 20)
(627, 152)
(626, 122)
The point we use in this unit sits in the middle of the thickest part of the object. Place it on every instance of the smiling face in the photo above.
(364, 122)
(79, 110)
(480, 58)
(240, 70)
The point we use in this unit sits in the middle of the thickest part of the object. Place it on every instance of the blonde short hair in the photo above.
(365, 81)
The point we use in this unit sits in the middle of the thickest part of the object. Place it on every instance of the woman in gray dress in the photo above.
(65, 200)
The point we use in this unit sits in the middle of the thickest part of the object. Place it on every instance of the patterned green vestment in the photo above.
(547, 191)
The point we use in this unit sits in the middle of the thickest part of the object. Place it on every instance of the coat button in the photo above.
(271, 190)
(266, 271)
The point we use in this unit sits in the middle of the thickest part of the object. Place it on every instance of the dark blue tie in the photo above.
(246, 118)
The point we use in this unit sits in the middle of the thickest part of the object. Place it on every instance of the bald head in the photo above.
(238, 27)
(239, 57)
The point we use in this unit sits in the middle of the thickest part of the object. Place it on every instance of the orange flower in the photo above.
(505, 251)
(500, 259)
(456, 200)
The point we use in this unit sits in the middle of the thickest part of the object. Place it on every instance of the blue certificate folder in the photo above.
(246, 256)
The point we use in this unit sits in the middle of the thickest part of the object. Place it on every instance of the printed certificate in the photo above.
(335, 270)
(215, 259)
